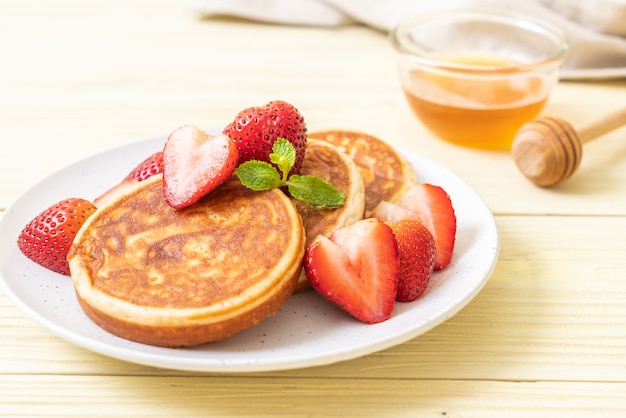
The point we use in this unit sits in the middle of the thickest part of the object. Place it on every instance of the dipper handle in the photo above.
(602, 125)
(548, 150)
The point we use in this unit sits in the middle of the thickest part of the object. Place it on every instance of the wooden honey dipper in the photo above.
(548, 150)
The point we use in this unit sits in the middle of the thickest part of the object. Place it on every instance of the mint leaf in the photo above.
(258, 175)
(315, 191)
(283, 155)
(261, 175)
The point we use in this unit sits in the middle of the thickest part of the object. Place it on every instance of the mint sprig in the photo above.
(260, 175)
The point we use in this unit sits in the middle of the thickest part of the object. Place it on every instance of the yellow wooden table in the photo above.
(545, 337)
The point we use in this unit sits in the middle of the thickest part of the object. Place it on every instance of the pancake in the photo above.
(385, 172)
(324, 160)
(166, 277)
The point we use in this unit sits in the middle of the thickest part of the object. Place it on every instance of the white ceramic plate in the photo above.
(308, 331)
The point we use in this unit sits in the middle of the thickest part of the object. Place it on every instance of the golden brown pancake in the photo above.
(166, 277)
(385, 172)
(324, 160)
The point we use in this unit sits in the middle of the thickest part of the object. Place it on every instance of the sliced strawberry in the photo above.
(255, 130)
(433, 207)
(416, 247)
(194, 163)
(390, 212)
(147, 168)
(47, 238)
(357, 268)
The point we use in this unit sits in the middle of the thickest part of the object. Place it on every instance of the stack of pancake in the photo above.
(182, 277)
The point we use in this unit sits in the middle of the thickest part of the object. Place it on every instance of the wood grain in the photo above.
(266, 397)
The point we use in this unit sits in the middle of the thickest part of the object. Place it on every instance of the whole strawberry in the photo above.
(416, 248)
(255, 129)
(46, 239)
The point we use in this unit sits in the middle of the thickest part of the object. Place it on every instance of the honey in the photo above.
(480, 109)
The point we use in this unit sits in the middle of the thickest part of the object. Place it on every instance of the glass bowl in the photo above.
(474, 77)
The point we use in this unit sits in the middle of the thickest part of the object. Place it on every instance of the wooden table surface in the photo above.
(545, 337)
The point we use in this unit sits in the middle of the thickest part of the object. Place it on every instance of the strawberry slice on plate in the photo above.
(47, 238)
(416, 248)
(432, 205)
(357, 268)
(195, 163)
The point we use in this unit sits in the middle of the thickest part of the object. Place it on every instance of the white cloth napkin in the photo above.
(596, 29)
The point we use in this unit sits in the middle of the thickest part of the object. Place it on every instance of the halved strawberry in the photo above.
(390, 212)
(195, 163)
(416, 247)
(431, 205)
(357, 268)
(255, 129)
(47, 238)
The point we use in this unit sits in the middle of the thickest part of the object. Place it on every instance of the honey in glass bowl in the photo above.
(476, 111)
(474, 77)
